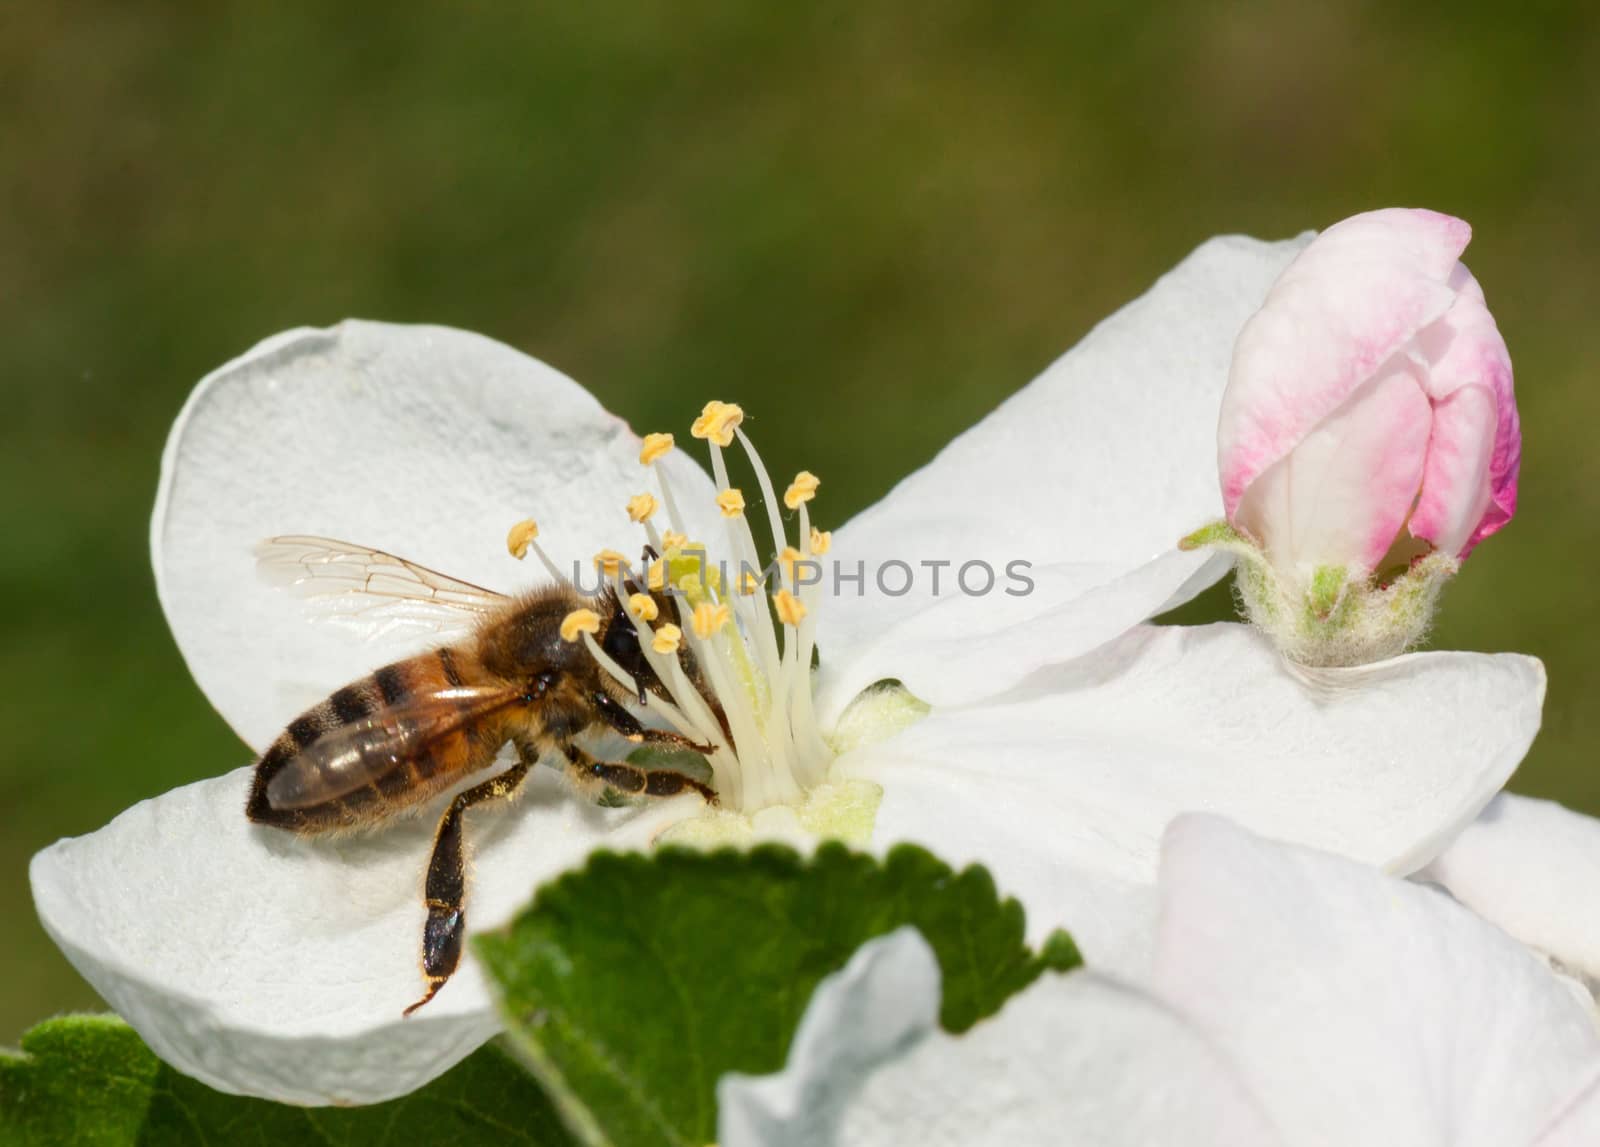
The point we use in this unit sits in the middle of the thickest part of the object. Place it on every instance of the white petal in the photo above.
(880, 1004)
(1005, 811)
(1063, 788)
(1533, 868)
(1362, 1009)
(278, 966)
(1102, 463)
(424, 441)
(942, 651)
(1074, 1059)
(1578, 1124)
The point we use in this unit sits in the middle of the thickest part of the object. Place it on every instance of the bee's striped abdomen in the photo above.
(381, 744)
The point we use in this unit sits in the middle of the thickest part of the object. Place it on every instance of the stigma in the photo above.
(745, 607)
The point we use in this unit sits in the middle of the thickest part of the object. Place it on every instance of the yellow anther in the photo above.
(641, 506)
(790, 610)
(802, 489)
(749, 583)
(579, 621)
(653, 447)
(672, 540)
(787, 560)
(667, 639)
(609, 562)
(521, 537)
(655, 576)
(708, 618)
(732, 503)
(644, 607)
(717, 422)
(821, 541)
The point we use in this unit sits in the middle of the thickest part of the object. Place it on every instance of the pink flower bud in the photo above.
(1369, 415)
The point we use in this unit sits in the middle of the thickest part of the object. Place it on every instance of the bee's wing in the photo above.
(407, 736)
(371, 591)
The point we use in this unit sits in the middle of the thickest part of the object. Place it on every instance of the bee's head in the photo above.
(621, 643)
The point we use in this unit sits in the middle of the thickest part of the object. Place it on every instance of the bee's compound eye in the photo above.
(527, 698)
(597, 768)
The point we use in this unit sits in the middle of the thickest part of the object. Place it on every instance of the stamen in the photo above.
(717, 422)
(579, 621)
(654, 447)
(642, 506)
(731, 502)
(675, 716)
(667, 639)
(750, 697)
(802, 489)
(709, 619)
(790, 611)
(521, 539)
(787, 560)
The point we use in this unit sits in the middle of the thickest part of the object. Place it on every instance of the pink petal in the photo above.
(1470, 487)
(1341, 496)
(1355, 296)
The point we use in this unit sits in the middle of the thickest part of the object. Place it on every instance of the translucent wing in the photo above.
(420, 742)
(370, 591)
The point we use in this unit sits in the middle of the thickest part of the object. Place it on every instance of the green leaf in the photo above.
(634, 984)
(90, 1080)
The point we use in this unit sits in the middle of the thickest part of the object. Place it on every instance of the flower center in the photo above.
(749, 623)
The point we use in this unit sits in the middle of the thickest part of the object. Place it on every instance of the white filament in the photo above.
(760, 679)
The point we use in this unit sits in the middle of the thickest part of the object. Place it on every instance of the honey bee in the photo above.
(388, 743)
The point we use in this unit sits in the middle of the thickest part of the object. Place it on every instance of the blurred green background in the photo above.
(873, 222)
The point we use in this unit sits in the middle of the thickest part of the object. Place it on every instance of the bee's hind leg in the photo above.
(631, 727)
(589, 771)
(446, 887)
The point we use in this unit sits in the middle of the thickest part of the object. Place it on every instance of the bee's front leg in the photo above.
(446, 889)
(624, 722)
(589, 771)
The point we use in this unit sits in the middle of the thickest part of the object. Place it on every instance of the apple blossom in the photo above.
(1048, 735)
(1531, 867)
(1297, 999)
(1368, 438)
